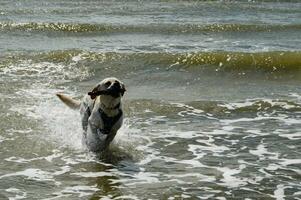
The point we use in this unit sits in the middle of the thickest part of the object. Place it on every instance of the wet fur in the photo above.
(71, 103)
(91, 119)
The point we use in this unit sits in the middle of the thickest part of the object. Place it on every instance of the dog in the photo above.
(101, 113)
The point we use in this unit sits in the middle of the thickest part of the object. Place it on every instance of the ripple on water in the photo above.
(206, 149)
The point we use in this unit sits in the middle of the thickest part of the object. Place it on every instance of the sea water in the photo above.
(212, 108)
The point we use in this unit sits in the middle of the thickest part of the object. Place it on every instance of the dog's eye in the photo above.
(108, 83)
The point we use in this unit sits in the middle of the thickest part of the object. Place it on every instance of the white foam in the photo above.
(287, 162)
(19, 194)
(291, 136)
(189, 110)
(196, 151)
(127, 197)
(192, 163)
(279, 118)
(92, 174)
(79, 190)
(62, 123)
(177, 134)
(279, 192)
(210, 146)
(220, 198)
(17, 159)
(296, 95)
(261, 151)
(109, 197)
(251, 102)
(49, 158)
(256, 132)
(150, 154)
(297, 193)
(129, 134)
(83, 157)
(77, 58)
(229, 179)
(64, 169)
(48, 71)
(33, 174)
(198, 176)
(139, 178)
(233, 106)
(221, 131)
(272, 167)
(2, 138)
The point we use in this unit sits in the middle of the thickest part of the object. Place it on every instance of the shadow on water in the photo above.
(115, 163)
(118, 152)
(106, 185)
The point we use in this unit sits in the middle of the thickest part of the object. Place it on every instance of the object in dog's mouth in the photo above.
(97, 93)
(113, 93)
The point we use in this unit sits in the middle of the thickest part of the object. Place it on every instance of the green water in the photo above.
(212, 108)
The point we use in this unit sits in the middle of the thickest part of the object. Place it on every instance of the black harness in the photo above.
(108, 122)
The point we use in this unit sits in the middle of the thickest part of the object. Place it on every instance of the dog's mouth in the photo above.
(113, 91)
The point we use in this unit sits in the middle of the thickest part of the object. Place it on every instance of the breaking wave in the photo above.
(141, 28)
(277, 61)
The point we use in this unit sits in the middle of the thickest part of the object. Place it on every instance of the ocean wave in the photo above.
(276, 61)
(240, 61)
(217, 110)
(62, 27)
(143, 28)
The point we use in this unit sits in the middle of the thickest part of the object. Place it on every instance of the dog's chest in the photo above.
(108, 122)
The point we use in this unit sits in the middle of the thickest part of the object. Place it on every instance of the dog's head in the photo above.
(110, 90)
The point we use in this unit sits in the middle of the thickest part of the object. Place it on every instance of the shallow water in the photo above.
(212, 109)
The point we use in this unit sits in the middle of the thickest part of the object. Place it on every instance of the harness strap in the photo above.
(115, 107)
(88, 110)
(108, 122)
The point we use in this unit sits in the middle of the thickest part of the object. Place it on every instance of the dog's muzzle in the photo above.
(115, 91)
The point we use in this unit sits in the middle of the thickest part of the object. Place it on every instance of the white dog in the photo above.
(101, 113)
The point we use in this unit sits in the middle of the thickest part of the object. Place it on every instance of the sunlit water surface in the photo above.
(212, 108)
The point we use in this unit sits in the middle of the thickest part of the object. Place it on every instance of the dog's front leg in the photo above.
(110, 138)
(84, 117)
(93, 141)
(113, 131)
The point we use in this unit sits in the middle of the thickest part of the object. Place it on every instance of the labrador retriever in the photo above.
(101, 113)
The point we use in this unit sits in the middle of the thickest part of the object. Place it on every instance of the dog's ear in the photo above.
(93, 94)
(122, 91)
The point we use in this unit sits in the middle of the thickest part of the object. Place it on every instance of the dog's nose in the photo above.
(116, 85)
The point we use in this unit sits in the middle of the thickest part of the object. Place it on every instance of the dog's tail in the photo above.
(71, 103)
